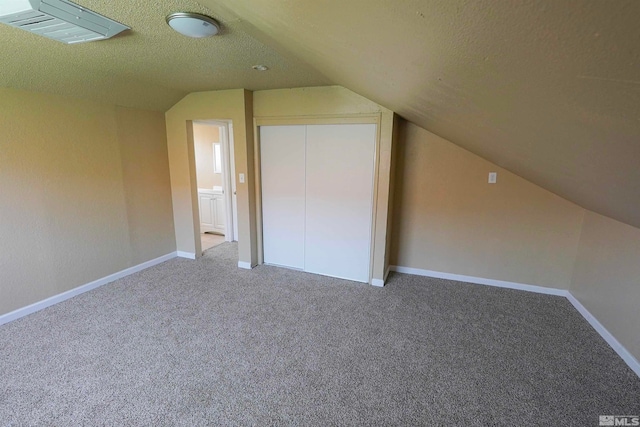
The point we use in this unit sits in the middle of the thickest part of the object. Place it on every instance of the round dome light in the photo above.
(193, 24)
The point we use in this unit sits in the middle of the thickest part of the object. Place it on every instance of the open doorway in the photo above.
(213, 149)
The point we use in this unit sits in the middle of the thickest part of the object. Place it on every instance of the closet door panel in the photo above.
(282, 157)
(339, 190)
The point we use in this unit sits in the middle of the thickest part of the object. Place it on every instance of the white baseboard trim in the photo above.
(628, 358)
(245, 265)
(380, 282)
(25, 311)
(377, 282)
(189, 255)
(604, 333)
(480, 281)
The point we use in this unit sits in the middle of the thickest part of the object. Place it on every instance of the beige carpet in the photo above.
(205, 343)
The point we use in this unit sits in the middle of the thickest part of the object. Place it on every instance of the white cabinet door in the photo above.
(339, 200)
(219, 213)
(212, 211)
(282, 159)
(206, 212)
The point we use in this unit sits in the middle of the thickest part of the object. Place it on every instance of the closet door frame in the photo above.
(317, 120)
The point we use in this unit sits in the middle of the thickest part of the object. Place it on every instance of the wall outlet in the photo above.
(493, 177)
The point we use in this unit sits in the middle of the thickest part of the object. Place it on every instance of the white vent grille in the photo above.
(59, 20)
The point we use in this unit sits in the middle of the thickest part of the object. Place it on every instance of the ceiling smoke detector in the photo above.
(58, 20)
(193, 24)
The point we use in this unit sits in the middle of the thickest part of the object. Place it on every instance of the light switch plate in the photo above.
(241, 178)
(493, 177)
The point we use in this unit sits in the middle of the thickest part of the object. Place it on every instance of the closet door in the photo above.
(339, 200)
(282, 157)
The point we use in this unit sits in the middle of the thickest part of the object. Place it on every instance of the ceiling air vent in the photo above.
(59, 20)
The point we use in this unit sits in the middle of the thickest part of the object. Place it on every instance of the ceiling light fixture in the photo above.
(260, 67)
(193, 24)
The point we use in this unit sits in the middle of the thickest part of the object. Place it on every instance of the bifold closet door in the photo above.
(339, 200)
(282, 160)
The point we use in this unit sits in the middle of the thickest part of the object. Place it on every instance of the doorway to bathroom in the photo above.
(217, 205)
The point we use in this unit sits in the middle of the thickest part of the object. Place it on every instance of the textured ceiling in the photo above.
(545, 88)
(150, 66)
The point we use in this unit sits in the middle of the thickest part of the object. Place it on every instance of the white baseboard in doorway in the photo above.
(480, 281)
(245, 265)
(189, 255)
(380, 282)
(377, 282)
(25, 311)
(604, 333)
(626, 356)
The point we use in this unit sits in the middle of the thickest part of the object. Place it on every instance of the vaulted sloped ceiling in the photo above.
(151, 66)
(548, 89)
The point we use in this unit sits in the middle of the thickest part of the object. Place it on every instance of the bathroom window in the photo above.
(217, 158)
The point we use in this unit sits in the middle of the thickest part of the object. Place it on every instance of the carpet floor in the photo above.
(205, 343)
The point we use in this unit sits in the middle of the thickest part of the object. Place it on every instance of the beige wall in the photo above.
(235, 105)
(447, 218)
(606, 278)
(303, 105)
(312, 101)
(84, 193)
(142, 140)
(393, 180)
(203, 138)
